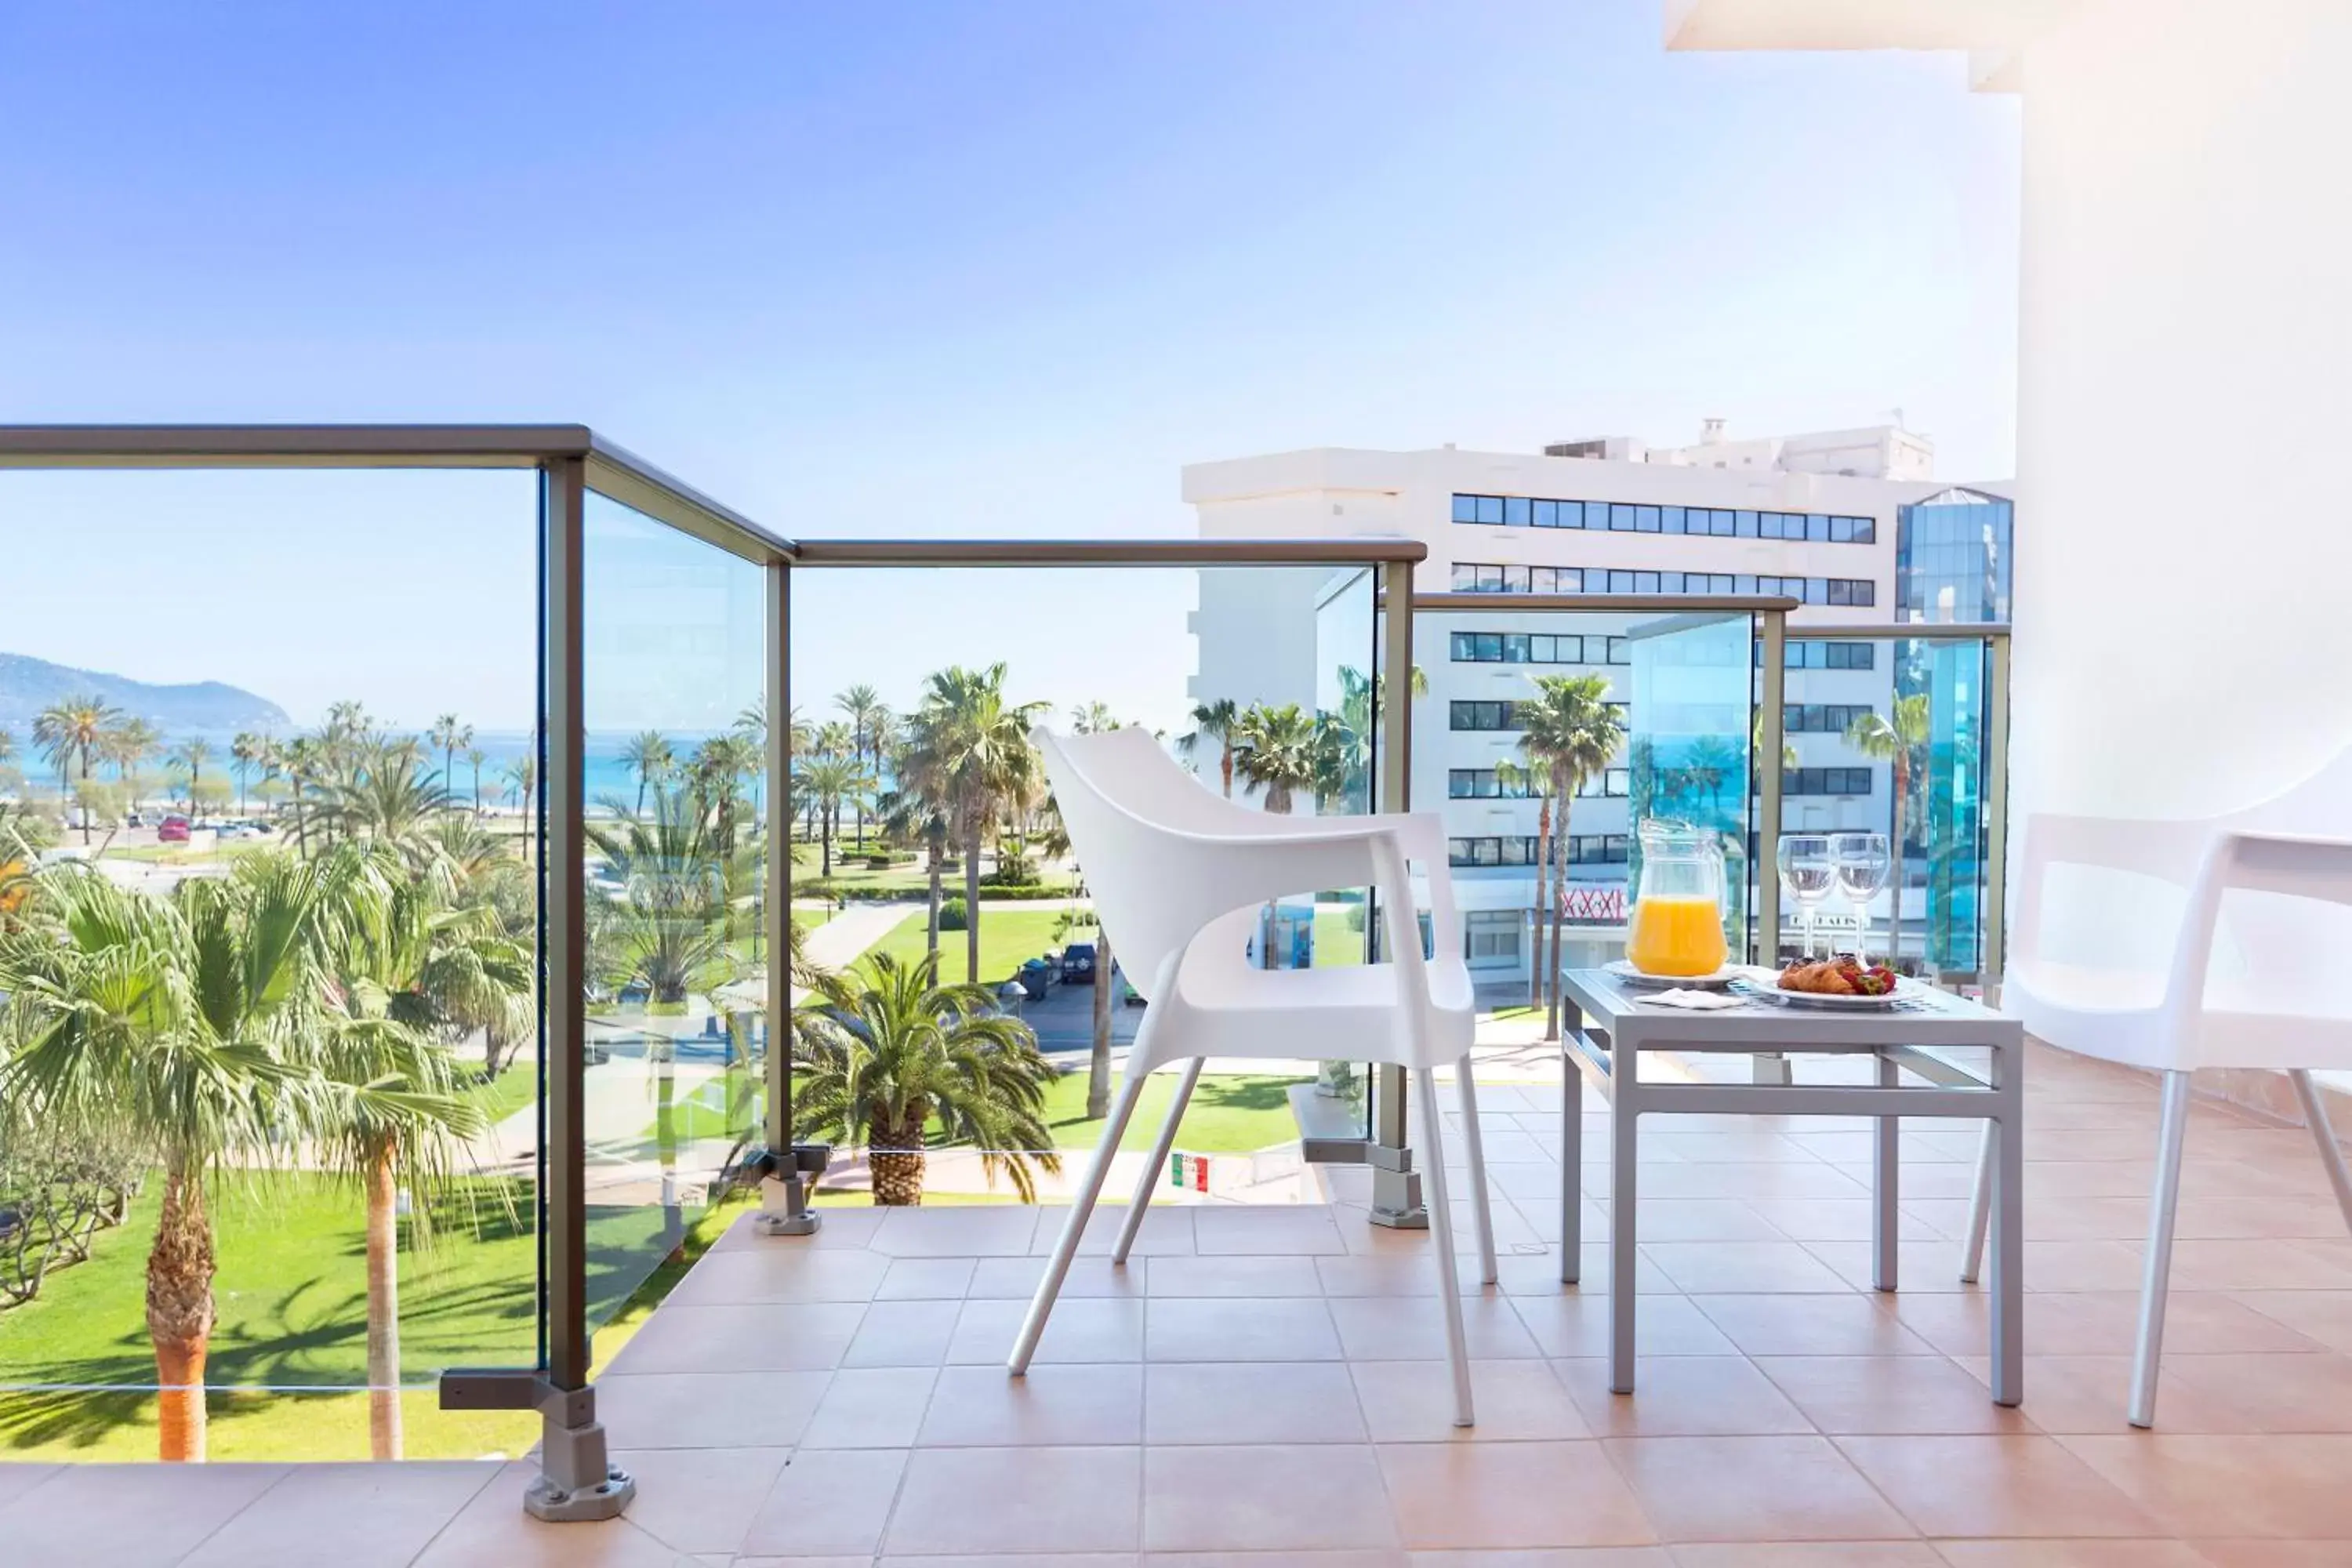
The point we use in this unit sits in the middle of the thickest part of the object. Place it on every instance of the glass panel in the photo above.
(257, 679)
(674, 644)
(1868, 712)
(1690, 739)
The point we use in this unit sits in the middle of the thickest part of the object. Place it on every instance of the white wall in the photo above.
(2184, 557)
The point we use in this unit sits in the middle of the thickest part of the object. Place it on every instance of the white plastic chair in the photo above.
(2266, 1004)
(1179, 875)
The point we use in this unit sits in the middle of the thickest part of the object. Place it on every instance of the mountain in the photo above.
(28, 685)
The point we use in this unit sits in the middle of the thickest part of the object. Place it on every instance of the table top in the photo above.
(1923, 1016)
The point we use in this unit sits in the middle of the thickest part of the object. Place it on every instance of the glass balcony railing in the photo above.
(269, 1133)
(448, 877)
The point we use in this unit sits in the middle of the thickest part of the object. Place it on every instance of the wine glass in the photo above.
(1860, 859)
(1808, 872)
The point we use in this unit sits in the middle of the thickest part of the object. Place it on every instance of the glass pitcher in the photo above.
(1677, 925)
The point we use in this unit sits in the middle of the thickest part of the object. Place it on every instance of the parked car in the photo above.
(1078, 964)
(174, 829)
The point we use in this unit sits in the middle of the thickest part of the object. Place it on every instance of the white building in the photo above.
(1814, 517)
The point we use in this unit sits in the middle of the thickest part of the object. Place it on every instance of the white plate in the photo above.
(1719, 981)
(1770, 990)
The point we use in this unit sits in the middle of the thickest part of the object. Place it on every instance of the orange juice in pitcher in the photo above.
(1677, 920)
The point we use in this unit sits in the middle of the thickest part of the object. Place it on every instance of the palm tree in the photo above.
(1569, 730)
(302, 760)
(1216, 721)
(521, 779)
(389, 794)
(917, 813)
(887, 1048)
(245, 753)
(1092, 719)
(832, 783)
(668, 930)
(1278, 750)
(389, 1112)
(972, 746)
(174, 1020)
(449, 735)
(647, 755)
(190, 757)
(868, 721)
(128, 745)
(1899, 740)
(1714, 761)
(72, 729)
(474, 758)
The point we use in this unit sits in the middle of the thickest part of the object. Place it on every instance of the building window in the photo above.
(1485, 715)
(1619, 517)
(1489, 577)
(1490, 938)
(1821, 718)
(1824, 781)
(1800, 655)
(1536, 648)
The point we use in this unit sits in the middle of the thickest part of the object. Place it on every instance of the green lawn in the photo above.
(1010, 934)
(1335, 941)
(1231, 1113)
(291, 1294)
(512, 1089)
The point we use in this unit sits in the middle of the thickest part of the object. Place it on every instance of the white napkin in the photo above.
(1697, 1001)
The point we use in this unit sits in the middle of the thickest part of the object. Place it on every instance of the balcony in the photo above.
(645, 1296)
(1265, 1380)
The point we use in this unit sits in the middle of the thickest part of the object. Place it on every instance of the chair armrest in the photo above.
(2168, 850)
(1421, 833)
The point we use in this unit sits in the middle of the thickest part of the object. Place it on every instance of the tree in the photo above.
(389, 794)
(189, 757)
(301, 758)
(388, 1112)
(647, 755)
(1901, 741)
(833, 782)
(128, 745)
(1216, 721)
(174, 1020)
(917, 813)
(245, 753)
(887, 1048)
(1572, 732)
(1714, 761)
(450, 736)
(1092, 719)
(72, 730)
(668, 928)
(474, 758)
(868, 719)
(521, 779)
(972, 745)
(1278, 750)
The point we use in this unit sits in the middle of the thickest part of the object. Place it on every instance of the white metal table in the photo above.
(1606, 1026)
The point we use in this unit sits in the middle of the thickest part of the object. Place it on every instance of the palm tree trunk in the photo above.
(826, 868)
(1536, 925)
(931, 921)
(1099, 1065)
(897, 1160)
(1226, 766)
(971, 905)
(383, 1305)
(180, 1315)
(1895, 899)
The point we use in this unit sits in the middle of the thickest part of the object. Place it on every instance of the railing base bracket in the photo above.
(606, 1499)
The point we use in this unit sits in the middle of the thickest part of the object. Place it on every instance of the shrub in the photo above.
(954, 914)
(880, 862)
(1355, 918)
(815, 888)
(1014, 892)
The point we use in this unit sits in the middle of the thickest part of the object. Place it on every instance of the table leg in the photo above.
(1623, 1205)
(1885, 1178)
(2009, 1232)
(1572, 1150)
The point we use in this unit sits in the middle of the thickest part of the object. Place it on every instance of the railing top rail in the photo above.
(289, 446)
(612, 470)
(1345, 550)
(1662, 603)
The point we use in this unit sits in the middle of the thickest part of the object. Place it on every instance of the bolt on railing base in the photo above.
(578, 1483)
(784, 1208)
(1396, 1193)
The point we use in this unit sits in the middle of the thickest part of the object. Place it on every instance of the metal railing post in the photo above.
(577, 1480)
(1772, 739)
(1992, 935)
(784, 1193)
(1396, 1186)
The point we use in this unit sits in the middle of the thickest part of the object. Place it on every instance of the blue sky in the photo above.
(923, 268)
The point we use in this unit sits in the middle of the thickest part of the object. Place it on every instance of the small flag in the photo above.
(1189, 1171)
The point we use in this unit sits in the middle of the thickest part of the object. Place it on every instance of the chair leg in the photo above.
(2163, 1204)
(1155, 1171)
(2331, 1153)
(1980, 1208)
(1441, 1225)
(1475, 1149)
(1057, 1268)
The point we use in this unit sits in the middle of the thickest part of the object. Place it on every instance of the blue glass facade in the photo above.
(1952, 566)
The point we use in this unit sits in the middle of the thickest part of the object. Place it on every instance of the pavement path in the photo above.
(838, 944)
